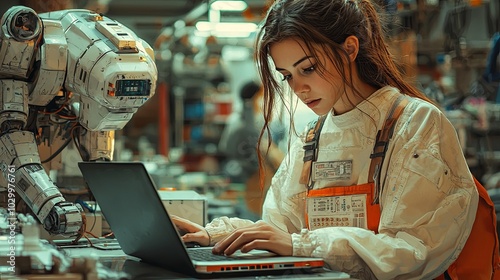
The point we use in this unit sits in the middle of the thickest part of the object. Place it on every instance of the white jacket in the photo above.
(428, 204)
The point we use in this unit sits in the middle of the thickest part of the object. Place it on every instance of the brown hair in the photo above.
(327, 23)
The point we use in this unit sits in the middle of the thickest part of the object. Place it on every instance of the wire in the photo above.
(58, 151)
(92, 198)
(95, 217)
(88, 239)
(66, 101)
(53, 121)
(81, 150)
(82, 230)
(67, 117)
(108, 235)
(64, 145)
(91, 234)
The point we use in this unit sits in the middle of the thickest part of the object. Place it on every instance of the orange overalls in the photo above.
(358, 205)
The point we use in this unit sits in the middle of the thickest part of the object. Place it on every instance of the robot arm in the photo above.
(105, 73)
(21, 32)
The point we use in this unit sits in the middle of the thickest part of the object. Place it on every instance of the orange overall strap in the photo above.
(311, 151)
(382, 142)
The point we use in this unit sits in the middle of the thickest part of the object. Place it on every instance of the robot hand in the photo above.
(65, 69)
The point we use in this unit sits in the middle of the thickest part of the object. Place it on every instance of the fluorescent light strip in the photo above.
(226, 26)
(228, 5)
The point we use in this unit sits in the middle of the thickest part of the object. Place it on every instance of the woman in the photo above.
(332, 55)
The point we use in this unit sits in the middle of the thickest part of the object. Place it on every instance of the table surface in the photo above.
(117, 260)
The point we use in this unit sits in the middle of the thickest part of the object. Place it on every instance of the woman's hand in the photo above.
(192, 232)
(260, 236)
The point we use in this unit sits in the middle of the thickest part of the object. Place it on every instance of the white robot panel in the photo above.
(72, 72)
(21, 32)
(111, 69)
(53, 56)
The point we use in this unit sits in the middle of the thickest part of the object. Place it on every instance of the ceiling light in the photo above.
(228, 5)
(226, 26)
(221, 34)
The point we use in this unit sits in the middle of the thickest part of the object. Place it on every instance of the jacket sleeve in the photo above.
(219, 228)
(282, 212)
(274, 212)
(428, 207)
(283, 206)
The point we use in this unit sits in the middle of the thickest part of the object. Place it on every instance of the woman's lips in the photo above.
(313, 103)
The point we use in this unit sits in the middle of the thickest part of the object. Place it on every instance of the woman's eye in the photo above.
(286, 77)
(309, 69)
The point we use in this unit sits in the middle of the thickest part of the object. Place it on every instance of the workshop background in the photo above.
(204, 55)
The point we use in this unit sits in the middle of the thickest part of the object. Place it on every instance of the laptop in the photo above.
(130, 202)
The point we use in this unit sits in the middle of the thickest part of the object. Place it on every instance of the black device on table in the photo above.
(131, 204)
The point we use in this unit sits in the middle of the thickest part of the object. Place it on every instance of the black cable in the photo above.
(51, 157)
(84, 154)
(76, 142)
(58, 123)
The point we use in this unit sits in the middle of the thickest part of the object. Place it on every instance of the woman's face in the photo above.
(322, 92)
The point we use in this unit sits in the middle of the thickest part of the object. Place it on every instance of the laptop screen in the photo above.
(132, 207)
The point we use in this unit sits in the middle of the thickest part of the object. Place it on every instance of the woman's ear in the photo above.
(351, 45)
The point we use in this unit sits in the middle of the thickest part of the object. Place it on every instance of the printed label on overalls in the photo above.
(337, 211)
(332, 170)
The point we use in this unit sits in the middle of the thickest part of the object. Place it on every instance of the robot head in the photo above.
(21, 23)
(110, 70)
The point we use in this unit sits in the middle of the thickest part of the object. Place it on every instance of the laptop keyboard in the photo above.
(205, 254)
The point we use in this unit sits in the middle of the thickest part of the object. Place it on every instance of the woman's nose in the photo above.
(300, 88)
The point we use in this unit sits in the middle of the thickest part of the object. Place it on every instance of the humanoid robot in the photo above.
(71, 73)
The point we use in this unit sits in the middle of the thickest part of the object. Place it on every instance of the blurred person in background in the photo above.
(239, 143)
